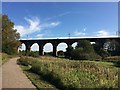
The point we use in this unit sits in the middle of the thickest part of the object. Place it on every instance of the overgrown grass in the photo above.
(71, 74)
(36, 79)
(5, 57)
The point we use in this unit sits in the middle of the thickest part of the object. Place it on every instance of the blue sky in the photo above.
(58, 19)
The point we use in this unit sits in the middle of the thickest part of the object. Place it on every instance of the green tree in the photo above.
(84, 51)
(114, 48)
(10, 37)
(85, 45)
(103, 53)
(101, 46)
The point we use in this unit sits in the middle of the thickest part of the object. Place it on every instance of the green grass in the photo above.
(104, 64)
(66, 74)
(37, 80)
(5, 57)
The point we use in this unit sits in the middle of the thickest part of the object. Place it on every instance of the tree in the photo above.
(84, 51)
(10, 37)
(101, 46)
(118, 48)
(85, 45)
(114, 48)
(103, 53)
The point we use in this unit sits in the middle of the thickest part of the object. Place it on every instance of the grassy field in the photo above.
(51, 72)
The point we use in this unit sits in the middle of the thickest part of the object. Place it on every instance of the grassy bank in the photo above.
(36, 79)
(71, 74)
(5, 57)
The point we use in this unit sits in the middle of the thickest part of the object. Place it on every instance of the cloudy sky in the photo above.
(57, 19)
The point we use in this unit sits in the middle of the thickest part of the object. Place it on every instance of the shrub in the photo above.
(103, 53)
(5, 57)
(26, 61)
(34, 53)
(60, 53)
(36, 67)
(78, 54)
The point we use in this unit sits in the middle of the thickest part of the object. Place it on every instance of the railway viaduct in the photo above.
(69, 41)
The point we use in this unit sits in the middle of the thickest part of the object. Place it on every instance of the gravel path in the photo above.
(13, 76)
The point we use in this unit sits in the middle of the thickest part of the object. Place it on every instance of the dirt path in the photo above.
(13, 76)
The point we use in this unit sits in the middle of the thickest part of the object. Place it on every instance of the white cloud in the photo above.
(63, 14)
(55, 23)
(84, 29)
(34, 25)
(104, 33)
(57, 16)
(80, 33)
(76, 33)
(49, 25)
(40, 35)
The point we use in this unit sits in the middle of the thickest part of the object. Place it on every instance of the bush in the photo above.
(34, 54)
(26, 61)
(60, 53)
(78, 54)
(22, 53)
(103, 53)
(5, 57)
(83, 51)
(48, 53)
(36, 67)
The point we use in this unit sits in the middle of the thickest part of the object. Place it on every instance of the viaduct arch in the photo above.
(55, 42)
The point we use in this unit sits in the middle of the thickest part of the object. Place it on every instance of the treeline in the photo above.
(87, 51)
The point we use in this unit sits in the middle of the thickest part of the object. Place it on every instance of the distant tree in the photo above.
(114, 48)
(10, 37)
(103, 53)
(85, 45)
(101, 46)
(84, 51)
(117, 50)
